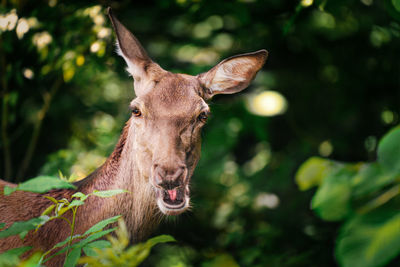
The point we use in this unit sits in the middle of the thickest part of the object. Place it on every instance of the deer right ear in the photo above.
(139, 63)
(233, 74)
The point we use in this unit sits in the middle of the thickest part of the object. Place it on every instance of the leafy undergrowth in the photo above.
(365, 198)
(89, 247)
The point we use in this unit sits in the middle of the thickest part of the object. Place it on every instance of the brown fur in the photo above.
(156, 153)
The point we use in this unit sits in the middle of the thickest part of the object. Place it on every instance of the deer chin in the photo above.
(174, 201)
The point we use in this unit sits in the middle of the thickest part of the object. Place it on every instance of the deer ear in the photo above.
(139, 63)
(233, 74)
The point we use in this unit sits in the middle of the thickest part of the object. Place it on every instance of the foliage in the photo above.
(363, 195)
(39, 184)
(118, 253)
(75, 243)
(336, 63)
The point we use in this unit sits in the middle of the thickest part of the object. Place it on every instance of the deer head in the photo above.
(169, 112)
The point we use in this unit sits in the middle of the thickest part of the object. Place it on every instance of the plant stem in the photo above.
(4, 120)
(48, 97)
(72, 230)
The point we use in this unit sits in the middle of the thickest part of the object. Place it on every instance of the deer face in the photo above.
(169, 111)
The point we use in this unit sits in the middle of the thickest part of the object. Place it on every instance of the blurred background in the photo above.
(330, 88)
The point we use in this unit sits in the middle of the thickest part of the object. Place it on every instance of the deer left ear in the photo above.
(233, 74)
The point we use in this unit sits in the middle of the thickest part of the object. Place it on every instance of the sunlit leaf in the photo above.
(312, 172)
(80, 195)
(48, 210)
(52, 199)
(44, 184)
(369, 240)
(108, 193)
(76, 202)
(8, 190)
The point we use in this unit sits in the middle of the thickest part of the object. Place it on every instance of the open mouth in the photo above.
(172, 201)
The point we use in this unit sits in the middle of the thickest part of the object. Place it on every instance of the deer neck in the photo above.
(120, 171)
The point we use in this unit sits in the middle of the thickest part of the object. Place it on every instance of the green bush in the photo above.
(364, 197)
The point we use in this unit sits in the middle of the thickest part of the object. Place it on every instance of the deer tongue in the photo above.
(172, 194)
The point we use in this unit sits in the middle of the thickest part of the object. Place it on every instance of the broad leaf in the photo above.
(389, 151)
(11, 257)
(332, 200)
(73, 257)
(99, 244)
(20, 227)
(369, 240)
(370, 178)
(100, 225)
(108, 193)
(43, 184)
(312, 172)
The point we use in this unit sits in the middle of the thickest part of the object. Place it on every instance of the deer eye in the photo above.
(136, 112)
(203, 117)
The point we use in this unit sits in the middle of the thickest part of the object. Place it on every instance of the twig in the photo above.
(48, 97)
(4, 122)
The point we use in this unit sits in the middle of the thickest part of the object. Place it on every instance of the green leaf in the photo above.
(48, 210)
(99, 244)
(369, 240)
(108, 193)
(388, 151)
(332, 200)
(20, 227)
(312, 172)
(8, 190)
(76, 202)
(52, 199)
(73, 257)
(93, 237)
(2, 225)
(80, 195)
(370, 178)
(100, 225)
(44, 184)
(11, 257)
(396, 4)
(160, 239)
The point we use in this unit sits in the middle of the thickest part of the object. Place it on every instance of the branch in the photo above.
(48, 97)
(4, 121)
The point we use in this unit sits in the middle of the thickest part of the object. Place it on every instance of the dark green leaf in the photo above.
(371, 178)
(100, 225)
(388, 151)
(20, 227)
(44, 184)
(369, 240)
(100, 244)
(332, 200)
(73, 257)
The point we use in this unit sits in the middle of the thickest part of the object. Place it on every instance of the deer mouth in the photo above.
(172, 201)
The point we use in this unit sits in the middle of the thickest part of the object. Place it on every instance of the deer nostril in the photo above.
(168, 178)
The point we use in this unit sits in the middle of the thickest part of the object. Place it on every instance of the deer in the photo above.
(155, 156)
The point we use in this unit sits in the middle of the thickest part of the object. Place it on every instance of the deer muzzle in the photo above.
(172, 191)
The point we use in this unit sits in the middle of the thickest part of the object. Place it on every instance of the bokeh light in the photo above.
(267, 103)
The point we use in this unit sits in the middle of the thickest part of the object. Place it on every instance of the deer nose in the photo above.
(169, 178)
